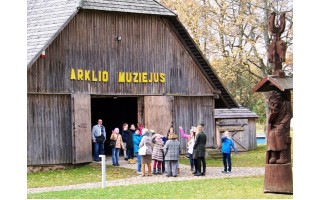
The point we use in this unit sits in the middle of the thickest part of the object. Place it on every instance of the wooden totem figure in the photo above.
(277, 48)
(278, 169)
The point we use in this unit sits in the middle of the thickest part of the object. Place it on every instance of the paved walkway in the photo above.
(185, 174)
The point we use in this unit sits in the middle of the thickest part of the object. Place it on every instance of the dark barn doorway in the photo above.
(114, 111)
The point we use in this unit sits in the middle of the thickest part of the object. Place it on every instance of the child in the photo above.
(157, 154)
(191, 140)
(227, 143)
(136, 138)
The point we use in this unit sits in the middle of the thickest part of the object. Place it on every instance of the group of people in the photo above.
(162, 149)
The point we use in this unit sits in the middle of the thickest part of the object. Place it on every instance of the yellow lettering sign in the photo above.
(80, 74)
(93, 77)
(162, 77)
(72, 74)
(87, 75)
(156, 77)
(121, 77)
(135, 78)
(128, 77)
(144, 77)
(105, 76)
(99, 75)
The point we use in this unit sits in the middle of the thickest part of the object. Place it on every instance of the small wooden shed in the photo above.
(241, 122)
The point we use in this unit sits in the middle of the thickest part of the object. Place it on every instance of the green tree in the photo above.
(233, 34)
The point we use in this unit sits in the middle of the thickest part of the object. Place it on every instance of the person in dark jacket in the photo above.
(199, 150)
(130, 152)
(124, 134)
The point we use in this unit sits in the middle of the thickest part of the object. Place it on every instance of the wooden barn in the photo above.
(118, 60)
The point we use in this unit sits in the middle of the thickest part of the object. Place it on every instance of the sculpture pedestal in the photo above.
(278, 178)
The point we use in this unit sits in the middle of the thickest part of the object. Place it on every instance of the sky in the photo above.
(13, 79)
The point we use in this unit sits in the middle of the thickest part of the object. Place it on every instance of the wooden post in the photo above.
(278, 178)
(103, 170)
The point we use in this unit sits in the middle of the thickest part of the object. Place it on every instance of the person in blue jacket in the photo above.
(136, 138)
(226, 144)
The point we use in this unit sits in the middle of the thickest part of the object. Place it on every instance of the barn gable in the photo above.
(38, 41)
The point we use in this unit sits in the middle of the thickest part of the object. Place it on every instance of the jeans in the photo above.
(98, 150)
(115, 155)
(130, 153)
(191, 160)
(139, 161)
(226, 157)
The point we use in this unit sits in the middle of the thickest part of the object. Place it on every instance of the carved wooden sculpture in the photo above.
(277, 48)
(278, 168)
(278, 128)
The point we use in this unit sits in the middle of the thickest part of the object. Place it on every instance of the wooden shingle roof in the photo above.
(45, 20)
(234, 113)
(274, 83)
(129, 6)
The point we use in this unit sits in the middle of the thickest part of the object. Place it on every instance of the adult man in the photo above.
(199, 150)
(98, 135)
(125, 135)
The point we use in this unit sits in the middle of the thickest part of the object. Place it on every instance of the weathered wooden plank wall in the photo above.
(158, 113)
(88, 43)
(188, 111)
(49, 129)
(252, 135)
(244, 139)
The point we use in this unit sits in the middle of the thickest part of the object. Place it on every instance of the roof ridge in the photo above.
(165, 7)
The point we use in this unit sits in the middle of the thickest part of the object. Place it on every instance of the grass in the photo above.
(227, 188)
(77, 175)
(254, 158)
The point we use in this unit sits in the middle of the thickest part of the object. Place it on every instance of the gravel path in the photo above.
(185, 174)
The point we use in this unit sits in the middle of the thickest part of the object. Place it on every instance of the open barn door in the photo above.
(81, 133)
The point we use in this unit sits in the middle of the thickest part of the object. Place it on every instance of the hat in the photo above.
(201, 123)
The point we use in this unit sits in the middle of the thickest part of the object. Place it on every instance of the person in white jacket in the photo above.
(191, 141)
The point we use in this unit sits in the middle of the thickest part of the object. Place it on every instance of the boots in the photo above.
(149, 170)
(283, 157)
(143, 169)
(154, 171)
(159, 171)
(273, 158)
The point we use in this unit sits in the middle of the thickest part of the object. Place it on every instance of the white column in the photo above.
(103, 170)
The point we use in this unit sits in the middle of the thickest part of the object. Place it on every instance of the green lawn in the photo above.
(92, 172)
(254, 158)
(80, 174)
(227, 188)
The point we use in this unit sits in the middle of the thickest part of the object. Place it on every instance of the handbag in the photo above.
(143, 149)
(100, 138)
(112, 143)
